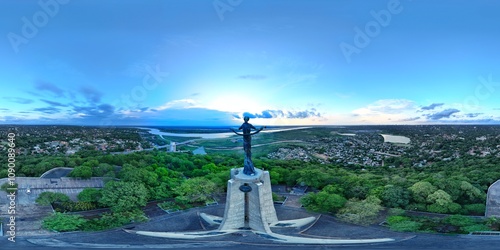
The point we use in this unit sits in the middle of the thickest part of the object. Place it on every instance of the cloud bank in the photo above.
(432, 106)
(269, 114)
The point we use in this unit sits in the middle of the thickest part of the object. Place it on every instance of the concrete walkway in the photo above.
(271, 236)
(296, 223)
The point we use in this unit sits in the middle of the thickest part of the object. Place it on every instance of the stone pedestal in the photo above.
(249, 202)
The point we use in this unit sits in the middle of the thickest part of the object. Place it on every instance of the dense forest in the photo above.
(444, 171)
(457, 186)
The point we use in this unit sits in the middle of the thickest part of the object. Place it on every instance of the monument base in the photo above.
(493, 200)
(250, 206)
(249, 202)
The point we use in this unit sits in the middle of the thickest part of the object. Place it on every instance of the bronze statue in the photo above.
(248, 167)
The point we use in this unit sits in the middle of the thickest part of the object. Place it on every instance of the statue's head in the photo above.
(246, 118)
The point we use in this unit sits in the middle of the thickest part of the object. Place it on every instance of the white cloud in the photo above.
(386, 111)
(387, 106)
(235, 102)
(179, 104)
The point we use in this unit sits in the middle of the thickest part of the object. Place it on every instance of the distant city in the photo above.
(369, 146)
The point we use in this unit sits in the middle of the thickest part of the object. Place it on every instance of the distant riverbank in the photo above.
(155, 131)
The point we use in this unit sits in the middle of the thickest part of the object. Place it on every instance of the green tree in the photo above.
(276, 175)
(439, 197)
(123, 196)
(363, 212)
(395, 196)
(441, 202)
(89, 195)
(323, 202)
(83, 171)
(92, 163)
(196, 189)
(102, 169)
(449, 184)
(139, 175)
(220, 179)
(358, 186)
(421, 190)
(313, 177)
(470, 194)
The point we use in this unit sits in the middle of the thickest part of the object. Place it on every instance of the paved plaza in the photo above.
(30, 187)
(28, 213)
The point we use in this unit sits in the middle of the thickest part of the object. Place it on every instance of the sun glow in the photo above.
(235, 102)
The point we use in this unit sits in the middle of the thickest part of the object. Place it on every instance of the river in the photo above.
(396, 138)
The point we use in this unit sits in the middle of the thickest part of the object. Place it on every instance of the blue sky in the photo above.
(196, 62)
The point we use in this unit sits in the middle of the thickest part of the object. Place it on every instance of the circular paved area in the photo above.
(326, 226)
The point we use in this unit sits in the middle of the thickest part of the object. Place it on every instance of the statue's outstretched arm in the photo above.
(257, 131)
(234, 131)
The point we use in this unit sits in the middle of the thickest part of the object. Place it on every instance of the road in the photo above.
(156, 147)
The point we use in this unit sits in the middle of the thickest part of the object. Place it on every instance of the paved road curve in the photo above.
(118, 239)
(326, 226)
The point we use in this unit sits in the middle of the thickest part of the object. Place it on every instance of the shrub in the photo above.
(396, 211)
(169, 205)
(74, 206)
(396, 219)
(475, 228)
(278, 198)
(428, 224)
(446, 228)
(459, 220)
(63, 222)
(47, 198)
(443, 209)
(112, 220)
(475, 209)
(8, 188)
(406, 226)
(493, 223)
